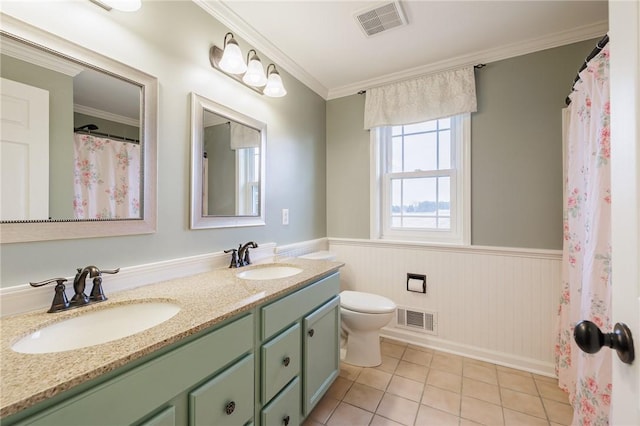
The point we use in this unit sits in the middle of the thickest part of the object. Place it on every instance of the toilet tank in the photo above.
(319, 255)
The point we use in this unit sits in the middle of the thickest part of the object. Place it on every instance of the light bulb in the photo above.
(232, 60)
(255, 72)
(274, 87)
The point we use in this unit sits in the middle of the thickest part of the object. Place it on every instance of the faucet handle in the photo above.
(60, 301)
(110, 271)
(234, 258)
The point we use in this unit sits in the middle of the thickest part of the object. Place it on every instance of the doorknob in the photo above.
(590, 339)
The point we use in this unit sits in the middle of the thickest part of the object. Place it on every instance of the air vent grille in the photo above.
(426, 322)
(382, 18)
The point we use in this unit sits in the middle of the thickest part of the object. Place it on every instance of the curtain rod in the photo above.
(477, 66)
(90, 129)
(599, 46)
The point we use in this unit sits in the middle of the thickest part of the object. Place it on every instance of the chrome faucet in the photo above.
(243, 253)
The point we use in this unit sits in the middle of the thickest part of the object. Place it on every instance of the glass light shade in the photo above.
(255, 73)
(124, 5)
(232, 60)
(274, 87)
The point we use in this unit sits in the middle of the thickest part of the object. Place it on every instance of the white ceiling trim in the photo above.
(105, 115)
(486, 56)
(240, 28)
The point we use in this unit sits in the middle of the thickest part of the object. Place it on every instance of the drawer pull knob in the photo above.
(286, 361)
(231, 406)
(285, 420)
(311, 332)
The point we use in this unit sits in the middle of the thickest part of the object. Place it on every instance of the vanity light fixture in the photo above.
(274, 87)
(255, 75)
(251, 73)
(121, 5)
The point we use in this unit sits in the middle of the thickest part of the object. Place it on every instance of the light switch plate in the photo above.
(285, 216)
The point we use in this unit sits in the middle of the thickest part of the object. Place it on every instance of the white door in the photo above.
(624, 24)
(24, 152)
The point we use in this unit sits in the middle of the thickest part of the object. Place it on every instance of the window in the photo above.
(420, 179)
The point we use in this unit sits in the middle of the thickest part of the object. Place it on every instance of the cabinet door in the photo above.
(284, 410)
(321, 350)
(280, 361)
(227, 399)
(166, 417)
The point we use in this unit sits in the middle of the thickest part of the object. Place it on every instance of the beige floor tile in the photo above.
(480, 411)
(539, 378)
(552, 391)
(349, 372)
(382, 421)
(374, 378)
(389, 364)
(513, 371)
(428, 416)
(364, 397)
(442, 400)
(522, 402)
(444, 380)
(478, 362)
(480, 372)
(412, 371)
(467, 422)
(419, 348)
(514, 418)
(398, 409)
(311, 422)
(558, 412)
(324, 409)
(406, 388)
(417, 357)
(481, 390)
(448, 363)
(517, 382)
(392, 349)
(339, 388)
(347, 414)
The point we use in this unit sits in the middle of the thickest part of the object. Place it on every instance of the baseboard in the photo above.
(494, 357)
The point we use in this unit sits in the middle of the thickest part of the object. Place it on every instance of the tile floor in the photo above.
(419, 386)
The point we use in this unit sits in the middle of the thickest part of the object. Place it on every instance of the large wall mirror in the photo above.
(227, 166)
(78, 140)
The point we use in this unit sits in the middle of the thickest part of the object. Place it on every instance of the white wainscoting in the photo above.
(495, 304)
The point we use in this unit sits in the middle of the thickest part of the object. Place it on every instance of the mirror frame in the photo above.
(14, 232)
(198, 105)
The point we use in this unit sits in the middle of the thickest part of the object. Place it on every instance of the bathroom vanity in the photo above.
(263, 355)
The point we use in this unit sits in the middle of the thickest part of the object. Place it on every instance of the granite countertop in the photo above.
(205, 300)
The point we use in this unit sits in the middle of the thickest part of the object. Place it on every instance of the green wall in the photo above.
(516, 153)
(171, 41)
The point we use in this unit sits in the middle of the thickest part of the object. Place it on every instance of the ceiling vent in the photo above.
(381, 18)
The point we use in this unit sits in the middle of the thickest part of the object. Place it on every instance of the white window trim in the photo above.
(462, 234)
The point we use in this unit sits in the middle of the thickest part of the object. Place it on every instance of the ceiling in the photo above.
(320, 42)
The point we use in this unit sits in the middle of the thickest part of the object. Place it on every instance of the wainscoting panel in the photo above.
(493, 304)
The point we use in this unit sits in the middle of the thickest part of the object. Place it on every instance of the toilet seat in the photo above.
(367, 303)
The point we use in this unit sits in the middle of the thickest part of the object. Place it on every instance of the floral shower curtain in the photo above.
(106, 178)
(586, 268)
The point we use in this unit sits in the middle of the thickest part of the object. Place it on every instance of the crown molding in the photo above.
(27, 53)
(243, 30)
(105, 115)
(511, 50)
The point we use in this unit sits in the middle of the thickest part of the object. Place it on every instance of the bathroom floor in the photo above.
(419, 386)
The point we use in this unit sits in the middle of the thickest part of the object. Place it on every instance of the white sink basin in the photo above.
(96, 327)
(269, 273)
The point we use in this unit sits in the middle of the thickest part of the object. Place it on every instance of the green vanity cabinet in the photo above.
(267, 366)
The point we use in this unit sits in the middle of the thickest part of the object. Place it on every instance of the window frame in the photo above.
(460, 200)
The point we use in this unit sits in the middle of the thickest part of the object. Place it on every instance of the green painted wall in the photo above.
(516, 153)
(171, 41)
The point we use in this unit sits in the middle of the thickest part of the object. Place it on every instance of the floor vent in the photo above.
(426, 322)
(381, 18)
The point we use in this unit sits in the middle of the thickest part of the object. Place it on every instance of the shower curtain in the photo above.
(106, 178)
(586, 263)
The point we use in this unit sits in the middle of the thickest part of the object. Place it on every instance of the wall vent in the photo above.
(381, 18)
(413, 319)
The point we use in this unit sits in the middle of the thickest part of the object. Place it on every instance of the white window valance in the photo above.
(421, 99)
(243, 136)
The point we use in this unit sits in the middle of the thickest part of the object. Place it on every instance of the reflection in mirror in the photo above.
(227, 167)
(77, 140)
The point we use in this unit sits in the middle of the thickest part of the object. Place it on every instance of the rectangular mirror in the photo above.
(78, 140)
(227, 166)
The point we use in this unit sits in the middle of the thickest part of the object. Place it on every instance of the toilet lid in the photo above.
(366, 302)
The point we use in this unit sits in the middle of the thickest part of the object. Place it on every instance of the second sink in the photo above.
(269, 272)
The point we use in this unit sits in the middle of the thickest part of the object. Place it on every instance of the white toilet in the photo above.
(362, 315)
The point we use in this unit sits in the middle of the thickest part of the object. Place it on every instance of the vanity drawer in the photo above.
(285, 408)
(280, 361)
(227, 399)
(283, 312)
